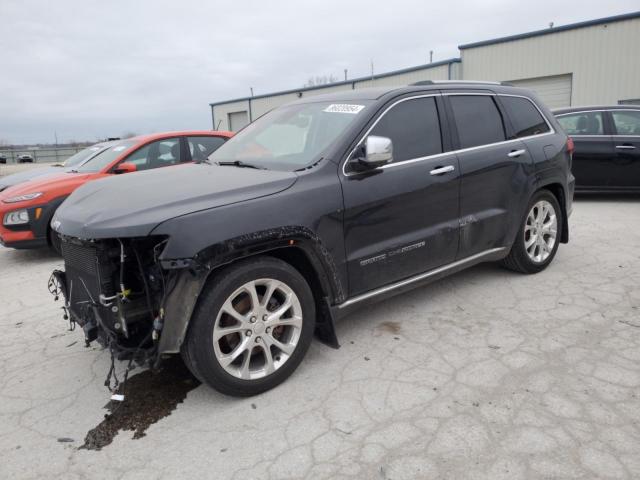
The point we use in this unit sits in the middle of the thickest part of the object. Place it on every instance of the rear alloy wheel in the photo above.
(538, 239)
(252, 327)
(540, 231)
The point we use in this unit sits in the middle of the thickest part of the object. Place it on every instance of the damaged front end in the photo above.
(116, 289)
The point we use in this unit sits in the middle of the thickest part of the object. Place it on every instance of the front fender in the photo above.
(189, 276)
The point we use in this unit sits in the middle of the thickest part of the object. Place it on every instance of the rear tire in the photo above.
(538, 236)
(252, 327)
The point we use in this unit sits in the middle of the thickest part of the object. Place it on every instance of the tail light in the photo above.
(570, 146)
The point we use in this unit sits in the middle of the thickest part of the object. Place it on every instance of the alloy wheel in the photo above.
(257, 329)
(540, 231)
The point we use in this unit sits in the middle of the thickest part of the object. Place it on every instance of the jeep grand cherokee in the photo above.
(316, 208)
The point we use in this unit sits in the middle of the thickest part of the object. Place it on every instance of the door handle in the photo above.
(442, 170)
(626, 147)
(516, 153)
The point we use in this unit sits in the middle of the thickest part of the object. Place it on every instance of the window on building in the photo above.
(626, 122)
(477, 119)
(582, 123)
(413, 127)
(525, 117)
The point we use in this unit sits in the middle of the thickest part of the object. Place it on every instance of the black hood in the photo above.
(132, 205)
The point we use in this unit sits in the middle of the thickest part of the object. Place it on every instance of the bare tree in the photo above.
(320, 80)
(128, 134)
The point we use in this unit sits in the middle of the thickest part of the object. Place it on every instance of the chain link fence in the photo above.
(38, 155)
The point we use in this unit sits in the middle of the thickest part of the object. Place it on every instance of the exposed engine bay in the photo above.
(115, 290)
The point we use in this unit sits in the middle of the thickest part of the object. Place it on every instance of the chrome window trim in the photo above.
(577, 112)
(585, 136)
(611, 110)
(421, 276)
(364, 136)
(614, 109)
(551, 131)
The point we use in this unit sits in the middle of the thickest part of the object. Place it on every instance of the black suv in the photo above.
(314, 209)
(607, 147)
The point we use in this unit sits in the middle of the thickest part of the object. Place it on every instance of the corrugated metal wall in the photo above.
(582, 66)
(261, 105)
(554, 90)
(436, 73)
(221, 113)
(604, 61)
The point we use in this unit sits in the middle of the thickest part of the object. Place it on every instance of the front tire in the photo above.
(252, 327)
(538, 236)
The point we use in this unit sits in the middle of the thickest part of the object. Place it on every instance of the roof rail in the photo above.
(481, 82)
(421, 82)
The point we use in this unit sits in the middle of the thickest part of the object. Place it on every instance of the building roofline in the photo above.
(561, 28)
(344, 82)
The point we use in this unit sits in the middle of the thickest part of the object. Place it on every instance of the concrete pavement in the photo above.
(485, 375)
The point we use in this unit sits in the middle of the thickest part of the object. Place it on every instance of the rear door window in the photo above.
(413, 127)
(478, 120)
(582, 123)
(626, 122)
(525, 117)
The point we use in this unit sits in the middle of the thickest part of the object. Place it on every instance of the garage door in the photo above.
(555, 91)
(238, 120)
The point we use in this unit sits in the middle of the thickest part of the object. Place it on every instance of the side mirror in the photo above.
(125, 167)
(378, 151)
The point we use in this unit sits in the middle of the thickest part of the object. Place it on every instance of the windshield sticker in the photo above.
(119, 148)
(344, 108)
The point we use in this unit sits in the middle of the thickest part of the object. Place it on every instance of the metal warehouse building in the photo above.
(587, 63)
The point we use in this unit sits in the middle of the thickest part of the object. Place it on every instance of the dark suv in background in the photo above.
(316, 208)
(607, 147)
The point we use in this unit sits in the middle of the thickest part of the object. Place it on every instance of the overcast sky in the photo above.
(89, 69)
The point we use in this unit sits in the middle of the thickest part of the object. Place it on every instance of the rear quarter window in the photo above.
(525, 117)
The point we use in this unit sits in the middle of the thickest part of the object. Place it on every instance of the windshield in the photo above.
(289, 137)
(82, 155)
(105, 157)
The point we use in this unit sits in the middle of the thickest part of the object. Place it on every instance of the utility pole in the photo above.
(372, 69)
(251, 88)
(430, 56)
(345, 74)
